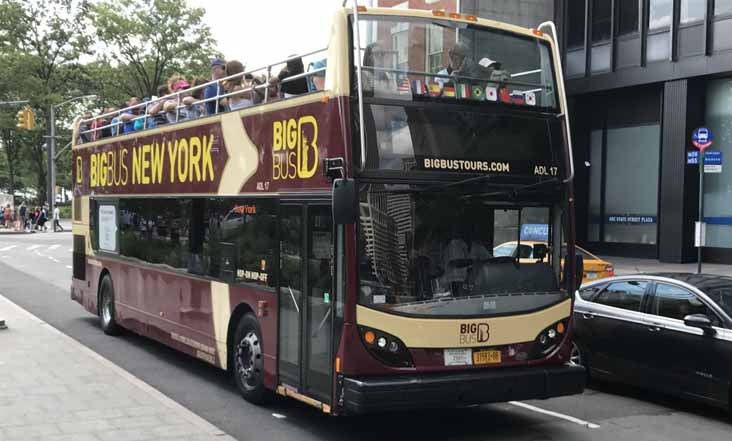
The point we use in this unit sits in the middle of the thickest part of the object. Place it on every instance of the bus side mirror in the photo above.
(345, 198)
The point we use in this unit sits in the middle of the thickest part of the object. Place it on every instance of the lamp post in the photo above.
(52, 149)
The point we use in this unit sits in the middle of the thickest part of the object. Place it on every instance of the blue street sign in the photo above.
(710, 157)
(702, 138)
(537, 232)
(713, 158)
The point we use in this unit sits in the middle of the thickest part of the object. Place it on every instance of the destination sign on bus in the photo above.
(502, 167)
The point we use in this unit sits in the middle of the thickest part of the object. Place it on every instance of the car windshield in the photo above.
(431, 254)
(722, 296)
(527, 250)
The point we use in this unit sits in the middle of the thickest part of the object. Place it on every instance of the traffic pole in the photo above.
(51, 162)
(701, 212)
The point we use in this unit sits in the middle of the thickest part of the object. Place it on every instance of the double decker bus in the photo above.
(336, 246)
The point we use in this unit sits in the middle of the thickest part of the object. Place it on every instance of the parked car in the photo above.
(594, 267)
(671, 332)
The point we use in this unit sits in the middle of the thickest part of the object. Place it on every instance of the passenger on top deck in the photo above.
(218, 71)
(291, 88)
(237, 84)
(317, 80)
(459, 64)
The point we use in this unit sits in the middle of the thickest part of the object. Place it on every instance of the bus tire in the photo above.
(107, 311)
(248, 370)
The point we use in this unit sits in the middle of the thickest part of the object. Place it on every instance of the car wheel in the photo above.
(106, 307)
(578, 356)
(249, 360)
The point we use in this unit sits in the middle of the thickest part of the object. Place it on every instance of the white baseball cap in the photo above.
(486, 62)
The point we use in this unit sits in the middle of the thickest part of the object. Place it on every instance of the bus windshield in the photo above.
(418, 59)
(431, 254)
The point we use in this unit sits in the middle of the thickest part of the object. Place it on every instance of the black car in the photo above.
(671, 332)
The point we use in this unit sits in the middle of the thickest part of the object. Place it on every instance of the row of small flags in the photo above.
(466, 91)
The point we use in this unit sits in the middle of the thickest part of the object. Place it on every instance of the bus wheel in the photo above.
(249, 360)
(106, 306)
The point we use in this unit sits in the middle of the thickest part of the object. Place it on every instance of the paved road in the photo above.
(35, 273)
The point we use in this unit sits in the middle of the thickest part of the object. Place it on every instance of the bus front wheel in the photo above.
(249, 359)
(106, 306)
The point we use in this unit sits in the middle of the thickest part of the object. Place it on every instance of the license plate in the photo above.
(591, 275)
(486, 357)
(458, 357)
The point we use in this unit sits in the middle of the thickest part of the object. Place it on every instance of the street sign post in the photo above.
(702, 138)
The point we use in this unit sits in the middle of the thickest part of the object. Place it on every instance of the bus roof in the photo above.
(463, 18)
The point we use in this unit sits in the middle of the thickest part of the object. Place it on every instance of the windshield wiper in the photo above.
(480, 178)
(514, 192)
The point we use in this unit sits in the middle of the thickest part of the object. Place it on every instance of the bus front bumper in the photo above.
(404, 392)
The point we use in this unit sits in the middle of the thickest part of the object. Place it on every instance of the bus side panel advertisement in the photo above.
(281, 150)
(293, 143)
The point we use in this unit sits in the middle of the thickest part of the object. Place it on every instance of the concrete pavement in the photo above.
(53, 388)
(628, 265)
(35, 271)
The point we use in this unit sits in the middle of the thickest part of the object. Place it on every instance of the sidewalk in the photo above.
(627, 265)
(65, 223)
(54, 388)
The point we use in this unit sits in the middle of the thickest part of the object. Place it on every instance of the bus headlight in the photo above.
(548, 339)
(385, 347)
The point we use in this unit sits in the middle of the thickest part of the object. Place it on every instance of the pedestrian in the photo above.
(56, 217)
(43, 218)
(7, 215)
(22, 213)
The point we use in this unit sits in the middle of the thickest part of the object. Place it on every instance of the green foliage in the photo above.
(53, 50)
(152, 39)
(64, 211)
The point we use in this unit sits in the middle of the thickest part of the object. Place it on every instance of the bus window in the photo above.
(463, 62)
(432, 254)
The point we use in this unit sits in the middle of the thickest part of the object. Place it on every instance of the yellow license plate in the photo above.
(486, 357)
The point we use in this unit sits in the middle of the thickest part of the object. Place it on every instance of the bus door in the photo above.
(306, 299)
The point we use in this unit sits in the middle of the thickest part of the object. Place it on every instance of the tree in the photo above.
(42, 42)
(152, 39)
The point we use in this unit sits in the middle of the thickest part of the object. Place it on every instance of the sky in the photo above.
(259, 33)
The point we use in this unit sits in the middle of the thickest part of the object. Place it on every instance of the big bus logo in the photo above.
(295, 148)
(471, 333)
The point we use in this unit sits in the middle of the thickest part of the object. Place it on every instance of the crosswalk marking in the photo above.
(53, 247)
(33, 247)
(8, 248)
(71, 250)
(68, 267)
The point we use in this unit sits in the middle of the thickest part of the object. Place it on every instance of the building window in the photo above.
(718, 186)
(628, 13)
(400, 42)
(722, 7)
(631, 196)
(659, 14)
(576, 28)
(595, 192)
(601, 13)
(434, 48)
(692, 11)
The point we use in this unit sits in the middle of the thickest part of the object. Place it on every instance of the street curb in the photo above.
(171, 404)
